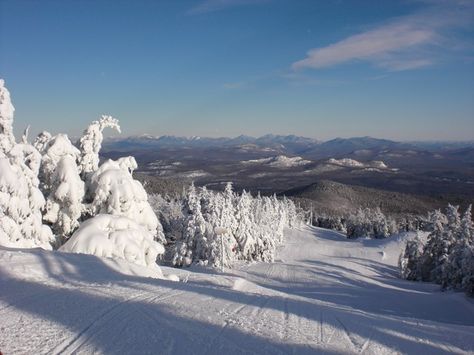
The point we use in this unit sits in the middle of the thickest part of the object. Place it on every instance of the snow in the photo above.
(7, 139)
(115, 237)
(91, 142)
(280, 161)
(324, 294)
(20, 204)
(351, 163)
(116, 192)
(346, 162)
(194, 174)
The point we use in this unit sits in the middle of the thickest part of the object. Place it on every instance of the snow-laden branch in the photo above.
(91, 142)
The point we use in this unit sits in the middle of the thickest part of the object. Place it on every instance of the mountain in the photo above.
(330, 196)
(290, 144)
(357, 146)
(308, 148)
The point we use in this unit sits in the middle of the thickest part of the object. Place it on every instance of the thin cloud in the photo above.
(218, 5)
(407, 43)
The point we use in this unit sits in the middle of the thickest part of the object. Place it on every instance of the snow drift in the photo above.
(115, 237)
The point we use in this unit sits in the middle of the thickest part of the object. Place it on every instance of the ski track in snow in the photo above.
(325, 294)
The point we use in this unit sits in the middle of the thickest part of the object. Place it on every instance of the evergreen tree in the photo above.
(62, 186)
(21, 201)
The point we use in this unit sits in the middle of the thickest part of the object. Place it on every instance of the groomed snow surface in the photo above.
(324, 294)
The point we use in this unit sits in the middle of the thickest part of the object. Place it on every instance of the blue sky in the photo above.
(393, 69)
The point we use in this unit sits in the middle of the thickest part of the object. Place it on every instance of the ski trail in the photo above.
(353, 340)
(72, 345)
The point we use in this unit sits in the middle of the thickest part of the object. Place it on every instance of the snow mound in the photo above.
(280, 161)
(115, 237)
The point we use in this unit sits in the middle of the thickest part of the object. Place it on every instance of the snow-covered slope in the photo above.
(351, 163)
(280, 161)
(324, 294)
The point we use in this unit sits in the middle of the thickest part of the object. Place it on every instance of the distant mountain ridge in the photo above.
(358, 148)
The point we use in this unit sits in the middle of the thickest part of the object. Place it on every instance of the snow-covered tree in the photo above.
(91, 142)
(448, 256)
(7, 139)
(457, 265)
(20, 199)
(192, 244)
(116, 192)
(409, 261)
(62, 185)
(42, 140)
(170, 214)
(222, 227)
(245, 232)
(370, 223)
(433, 247)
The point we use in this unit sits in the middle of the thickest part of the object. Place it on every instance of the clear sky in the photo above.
(391, 69)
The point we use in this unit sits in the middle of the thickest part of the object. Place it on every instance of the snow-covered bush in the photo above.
(447, 258)
(115, 237)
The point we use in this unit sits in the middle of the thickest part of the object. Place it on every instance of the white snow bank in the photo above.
(46, 265)
(115, 237)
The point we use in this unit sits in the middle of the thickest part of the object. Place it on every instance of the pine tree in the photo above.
(192, 245)
(409, 261)
(433, 248)
(245, 230)
(440, 273)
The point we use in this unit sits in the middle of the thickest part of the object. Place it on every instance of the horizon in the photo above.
(119, 136)
(403, 71)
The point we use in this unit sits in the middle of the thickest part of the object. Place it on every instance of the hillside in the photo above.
(329, 196)
(324, 294)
